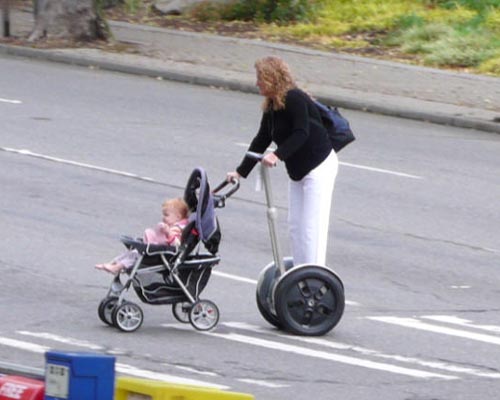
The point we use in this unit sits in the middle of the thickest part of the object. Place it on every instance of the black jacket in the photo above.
(302, 145)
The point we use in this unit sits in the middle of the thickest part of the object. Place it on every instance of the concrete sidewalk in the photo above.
(358, 83)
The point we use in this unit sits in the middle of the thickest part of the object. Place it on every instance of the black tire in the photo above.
(181, 311)
(105, 310)
(127, 317)
(267, 314)
(267, 279)
(204, 315)
(309, 301)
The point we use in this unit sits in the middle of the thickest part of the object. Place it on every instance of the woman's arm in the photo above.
(259, 144)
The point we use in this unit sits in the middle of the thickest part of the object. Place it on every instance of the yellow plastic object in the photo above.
(145, 389)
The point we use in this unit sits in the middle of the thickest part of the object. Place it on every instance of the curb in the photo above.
(393, 106)
(28, 372)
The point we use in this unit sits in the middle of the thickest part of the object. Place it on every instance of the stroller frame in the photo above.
(166, 275)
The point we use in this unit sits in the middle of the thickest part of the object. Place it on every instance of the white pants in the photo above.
(309, 203)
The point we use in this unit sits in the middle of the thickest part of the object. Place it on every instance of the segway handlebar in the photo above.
(254, 155)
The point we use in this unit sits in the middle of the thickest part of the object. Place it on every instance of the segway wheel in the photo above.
(105, 309)
(181, 311)
(266, 313)
(309, 301)
(204, 315)
(265, 283)
(127, 317)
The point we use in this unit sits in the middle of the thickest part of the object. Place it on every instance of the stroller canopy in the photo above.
(201, 203)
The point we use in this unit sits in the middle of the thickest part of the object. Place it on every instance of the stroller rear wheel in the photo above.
(105, 309)
(204, 315)
(127, 317)
(181, 311)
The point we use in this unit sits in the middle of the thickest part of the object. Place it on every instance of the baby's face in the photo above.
(171, 215)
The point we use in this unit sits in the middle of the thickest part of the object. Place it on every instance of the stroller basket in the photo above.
(155, 285)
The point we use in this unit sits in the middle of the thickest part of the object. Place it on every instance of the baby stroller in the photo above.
(165, 275)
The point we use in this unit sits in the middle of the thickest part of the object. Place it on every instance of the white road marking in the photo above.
(369, 352)
(18, 344)
(234, 277)
(372, 169)
(142, 373)
(381, 170)
(76, 163)
(192, 370)
(450, 319)
(302, 351)
(264, 383)
(416, 324)
(10, 101)
(61, 339)
(122, 368)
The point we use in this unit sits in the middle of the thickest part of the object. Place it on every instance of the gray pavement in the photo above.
(396, 89)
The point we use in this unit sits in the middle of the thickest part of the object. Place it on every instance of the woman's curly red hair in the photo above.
(277, 76)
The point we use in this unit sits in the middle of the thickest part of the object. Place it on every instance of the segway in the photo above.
(304, 299)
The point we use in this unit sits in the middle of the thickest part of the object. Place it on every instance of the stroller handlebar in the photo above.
(220, 198)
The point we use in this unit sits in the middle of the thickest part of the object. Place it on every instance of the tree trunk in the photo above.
(68, 19)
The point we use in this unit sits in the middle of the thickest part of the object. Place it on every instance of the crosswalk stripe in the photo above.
(61, 339)
(11, 101)
(142, 373)
(416, 324)
(119, 367)
(450, 319)
(293, 349)
(369, 352)
(34, 348)
(278, 346)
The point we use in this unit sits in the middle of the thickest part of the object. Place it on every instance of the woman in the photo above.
(291, 120)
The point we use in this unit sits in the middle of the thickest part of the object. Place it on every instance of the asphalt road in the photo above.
(87, 155)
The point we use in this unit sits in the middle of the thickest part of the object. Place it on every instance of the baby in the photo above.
(168, 232)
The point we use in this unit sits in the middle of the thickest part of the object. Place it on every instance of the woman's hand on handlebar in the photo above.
(233, 175)
(270, 160)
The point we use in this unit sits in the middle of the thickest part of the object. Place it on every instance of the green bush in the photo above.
(491, 66)
(132, 5)
(460, 50)
(478, 5)
(416, 39)
(277, 11)
(451, 33)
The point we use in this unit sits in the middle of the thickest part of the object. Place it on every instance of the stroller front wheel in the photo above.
(127, 317)
(204, 315)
